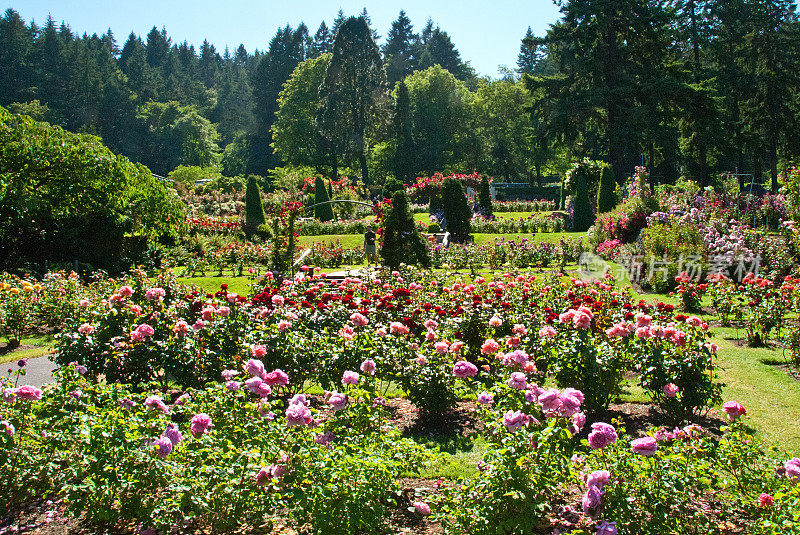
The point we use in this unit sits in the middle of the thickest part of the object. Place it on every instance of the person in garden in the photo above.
(369, 246)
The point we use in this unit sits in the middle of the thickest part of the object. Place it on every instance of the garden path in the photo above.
(39, 372)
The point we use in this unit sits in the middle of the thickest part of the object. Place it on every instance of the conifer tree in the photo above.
(323, 212)
(254, 209)
(398, 49)
(402, 242)
(606, 194)
(404, 142)
(456, 211)
(582, 217)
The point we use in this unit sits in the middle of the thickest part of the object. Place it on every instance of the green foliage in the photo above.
(352, 91)
(456, 211)
(606, 195)
(66, 197)
(189, 175)
(322, 212)
(391, 186)
(253, 207)
(295, 136)
(583, 216)
(401, 241)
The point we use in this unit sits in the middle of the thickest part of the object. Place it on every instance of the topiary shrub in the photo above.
(606, 195)
(456, 211)
(391, 186)
(485, 199)
(583, 218)
(253, 207)
(323, 212)
(402, 242)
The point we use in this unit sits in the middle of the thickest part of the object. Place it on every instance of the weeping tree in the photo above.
(402, 242)
(352, 93)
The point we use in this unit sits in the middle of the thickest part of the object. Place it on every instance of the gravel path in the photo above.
(38, 372)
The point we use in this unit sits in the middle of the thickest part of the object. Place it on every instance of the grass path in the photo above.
(770, 395)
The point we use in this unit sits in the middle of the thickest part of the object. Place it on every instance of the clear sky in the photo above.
(487, 33)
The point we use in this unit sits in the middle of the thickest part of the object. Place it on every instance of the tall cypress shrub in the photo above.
(402, 242)
(582, 217)
(485, 199)
(456, 211)
(606, 195)
(323, 212)
(253, 207)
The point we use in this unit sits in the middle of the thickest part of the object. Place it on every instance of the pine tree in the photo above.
(337, 23)
(402, 242)
(456, 211)
(322, 43)
(398, 49)
(322, 212)
(582, 217)
(606, 195)
(485, 199)
(254, 209)
(527, 58)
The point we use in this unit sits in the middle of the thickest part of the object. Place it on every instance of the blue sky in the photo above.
(487, 33)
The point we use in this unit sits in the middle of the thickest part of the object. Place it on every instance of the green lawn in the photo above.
(549, 237)
(212, 284)
(770, 395)
(43, 346)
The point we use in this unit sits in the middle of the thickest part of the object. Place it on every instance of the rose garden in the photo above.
(442, 305)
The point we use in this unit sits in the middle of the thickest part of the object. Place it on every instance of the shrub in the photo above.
(322, 212)
(254, 208)
(401, 241)
(606, 196)
(456, 211)
(583, 217)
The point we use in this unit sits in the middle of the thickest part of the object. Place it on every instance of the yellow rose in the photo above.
(15, 291)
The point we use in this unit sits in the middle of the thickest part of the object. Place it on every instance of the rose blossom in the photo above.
(155, 402)
(172, 433)
(201, 424)
(607, 528)
(792, 467)
(350, 378)
(734, 409)
(671, 390)
(263, 476)
(598, 478)
(8, 427)
(485, 398)
(513, 420)
(368, 367)
(602, 435)
(298, 414)
(518, 381)
(163, 447)
(86, 329)
(765, 500)
(422, 508)
(490, 347)
(464, 369)
(29, 393)
(359, 320)
(276, 377)
(254, 366)
(646, 446)
(338, 401)
(495, 322)
(547, 332)
(592, 500)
